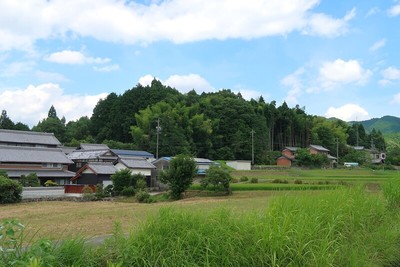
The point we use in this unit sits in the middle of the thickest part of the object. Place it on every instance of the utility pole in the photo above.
(337, 150)
(158, 130)
(252, 146)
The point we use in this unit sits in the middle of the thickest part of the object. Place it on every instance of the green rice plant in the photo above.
(391, 191)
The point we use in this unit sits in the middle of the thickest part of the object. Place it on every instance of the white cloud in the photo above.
(394, 10)
(373, 11)
(51, 76)
(16, 68)
(324, 25)
(348, 112)
(74, 57)
(377, 45)
(30, 105)
(108, 68)
(294, 81)
(342, 72)
(390, 75)
(396, 99)
(179, 21)
(183, 83)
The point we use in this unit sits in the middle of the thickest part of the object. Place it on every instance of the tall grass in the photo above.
(340, 228)
(343, 227)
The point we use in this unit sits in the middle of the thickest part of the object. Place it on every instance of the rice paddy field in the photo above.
(332, 218)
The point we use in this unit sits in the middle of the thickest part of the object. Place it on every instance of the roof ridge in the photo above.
(31, 148)
(26, 132)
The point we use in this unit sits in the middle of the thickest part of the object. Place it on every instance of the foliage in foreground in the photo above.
(10, 191)
(345, 227)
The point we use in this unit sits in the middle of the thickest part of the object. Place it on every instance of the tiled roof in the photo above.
(132, 153)
(292, 148)
(199, 161)
(26, 137)
(92, 154)
(102, 168)
(33, 155)
(135, 163)
(93, 146)
(319, 148)
(41, 173)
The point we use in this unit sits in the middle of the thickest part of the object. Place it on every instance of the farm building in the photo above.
(240, 165)
(95, 173)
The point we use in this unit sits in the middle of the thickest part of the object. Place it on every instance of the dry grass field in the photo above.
(60, 219)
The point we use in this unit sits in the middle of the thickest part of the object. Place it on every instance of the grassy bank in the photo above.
(343, 227)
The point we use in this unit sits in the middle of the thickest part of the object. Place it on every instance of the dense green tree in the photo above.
(218, 179)
(30, 180)
(52, 124)
(121, 179)
(5, 121)
(10, 191)
(78, 130)
(179, 176)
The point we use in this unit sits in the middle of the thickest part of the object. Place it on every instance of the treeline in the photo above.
(221, 125)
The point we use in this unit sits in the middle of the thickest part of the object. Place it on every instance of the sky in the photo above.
(335, 58)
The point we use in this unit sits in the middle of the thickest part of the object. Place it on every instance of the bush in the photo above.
(141, 183)
(100, 191)
(88, 194)
(31, 180)
(254, 180)
(50, 183)
(109, 190)
(298, 182)
(234, 180)
(218, 178)
(142, 196)
(244, 179)
(121, 179)
(128, 191)
(280, 181)
(10, 191)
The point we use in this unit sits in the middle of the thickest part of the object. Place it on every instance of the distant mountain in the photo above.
(386, 124)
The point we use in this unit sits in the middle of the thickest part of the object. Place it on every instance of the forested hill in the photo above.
(220, 125)
(386, 124)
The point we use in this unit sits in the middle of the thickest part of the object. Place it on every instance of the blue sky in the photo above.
(335, 58)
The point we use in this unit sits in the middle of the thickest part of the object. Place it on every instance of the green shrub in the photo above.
(50, 183)
(88, 194)
(121, 179)
(235, 180)
(244, 179)
(142, 196)
(218, 178)
(100, 193)
(298, 181)
(109, 190)
(128, 191)
(254, 180)
(141, 183)
(31, 180)
(280, 181)
(10, 191)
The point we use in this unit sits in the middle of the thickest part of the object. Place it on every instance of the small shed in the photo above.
(240, 165)
(284, 161)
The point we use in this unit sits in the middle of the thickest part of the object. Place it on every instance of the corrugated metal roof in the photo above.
(102, 168)
(93, 154)
(84, 146)
(319, 148)
(132, 153)
(135, 163)
(41, 173)
(33, 155)
(25, 137)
